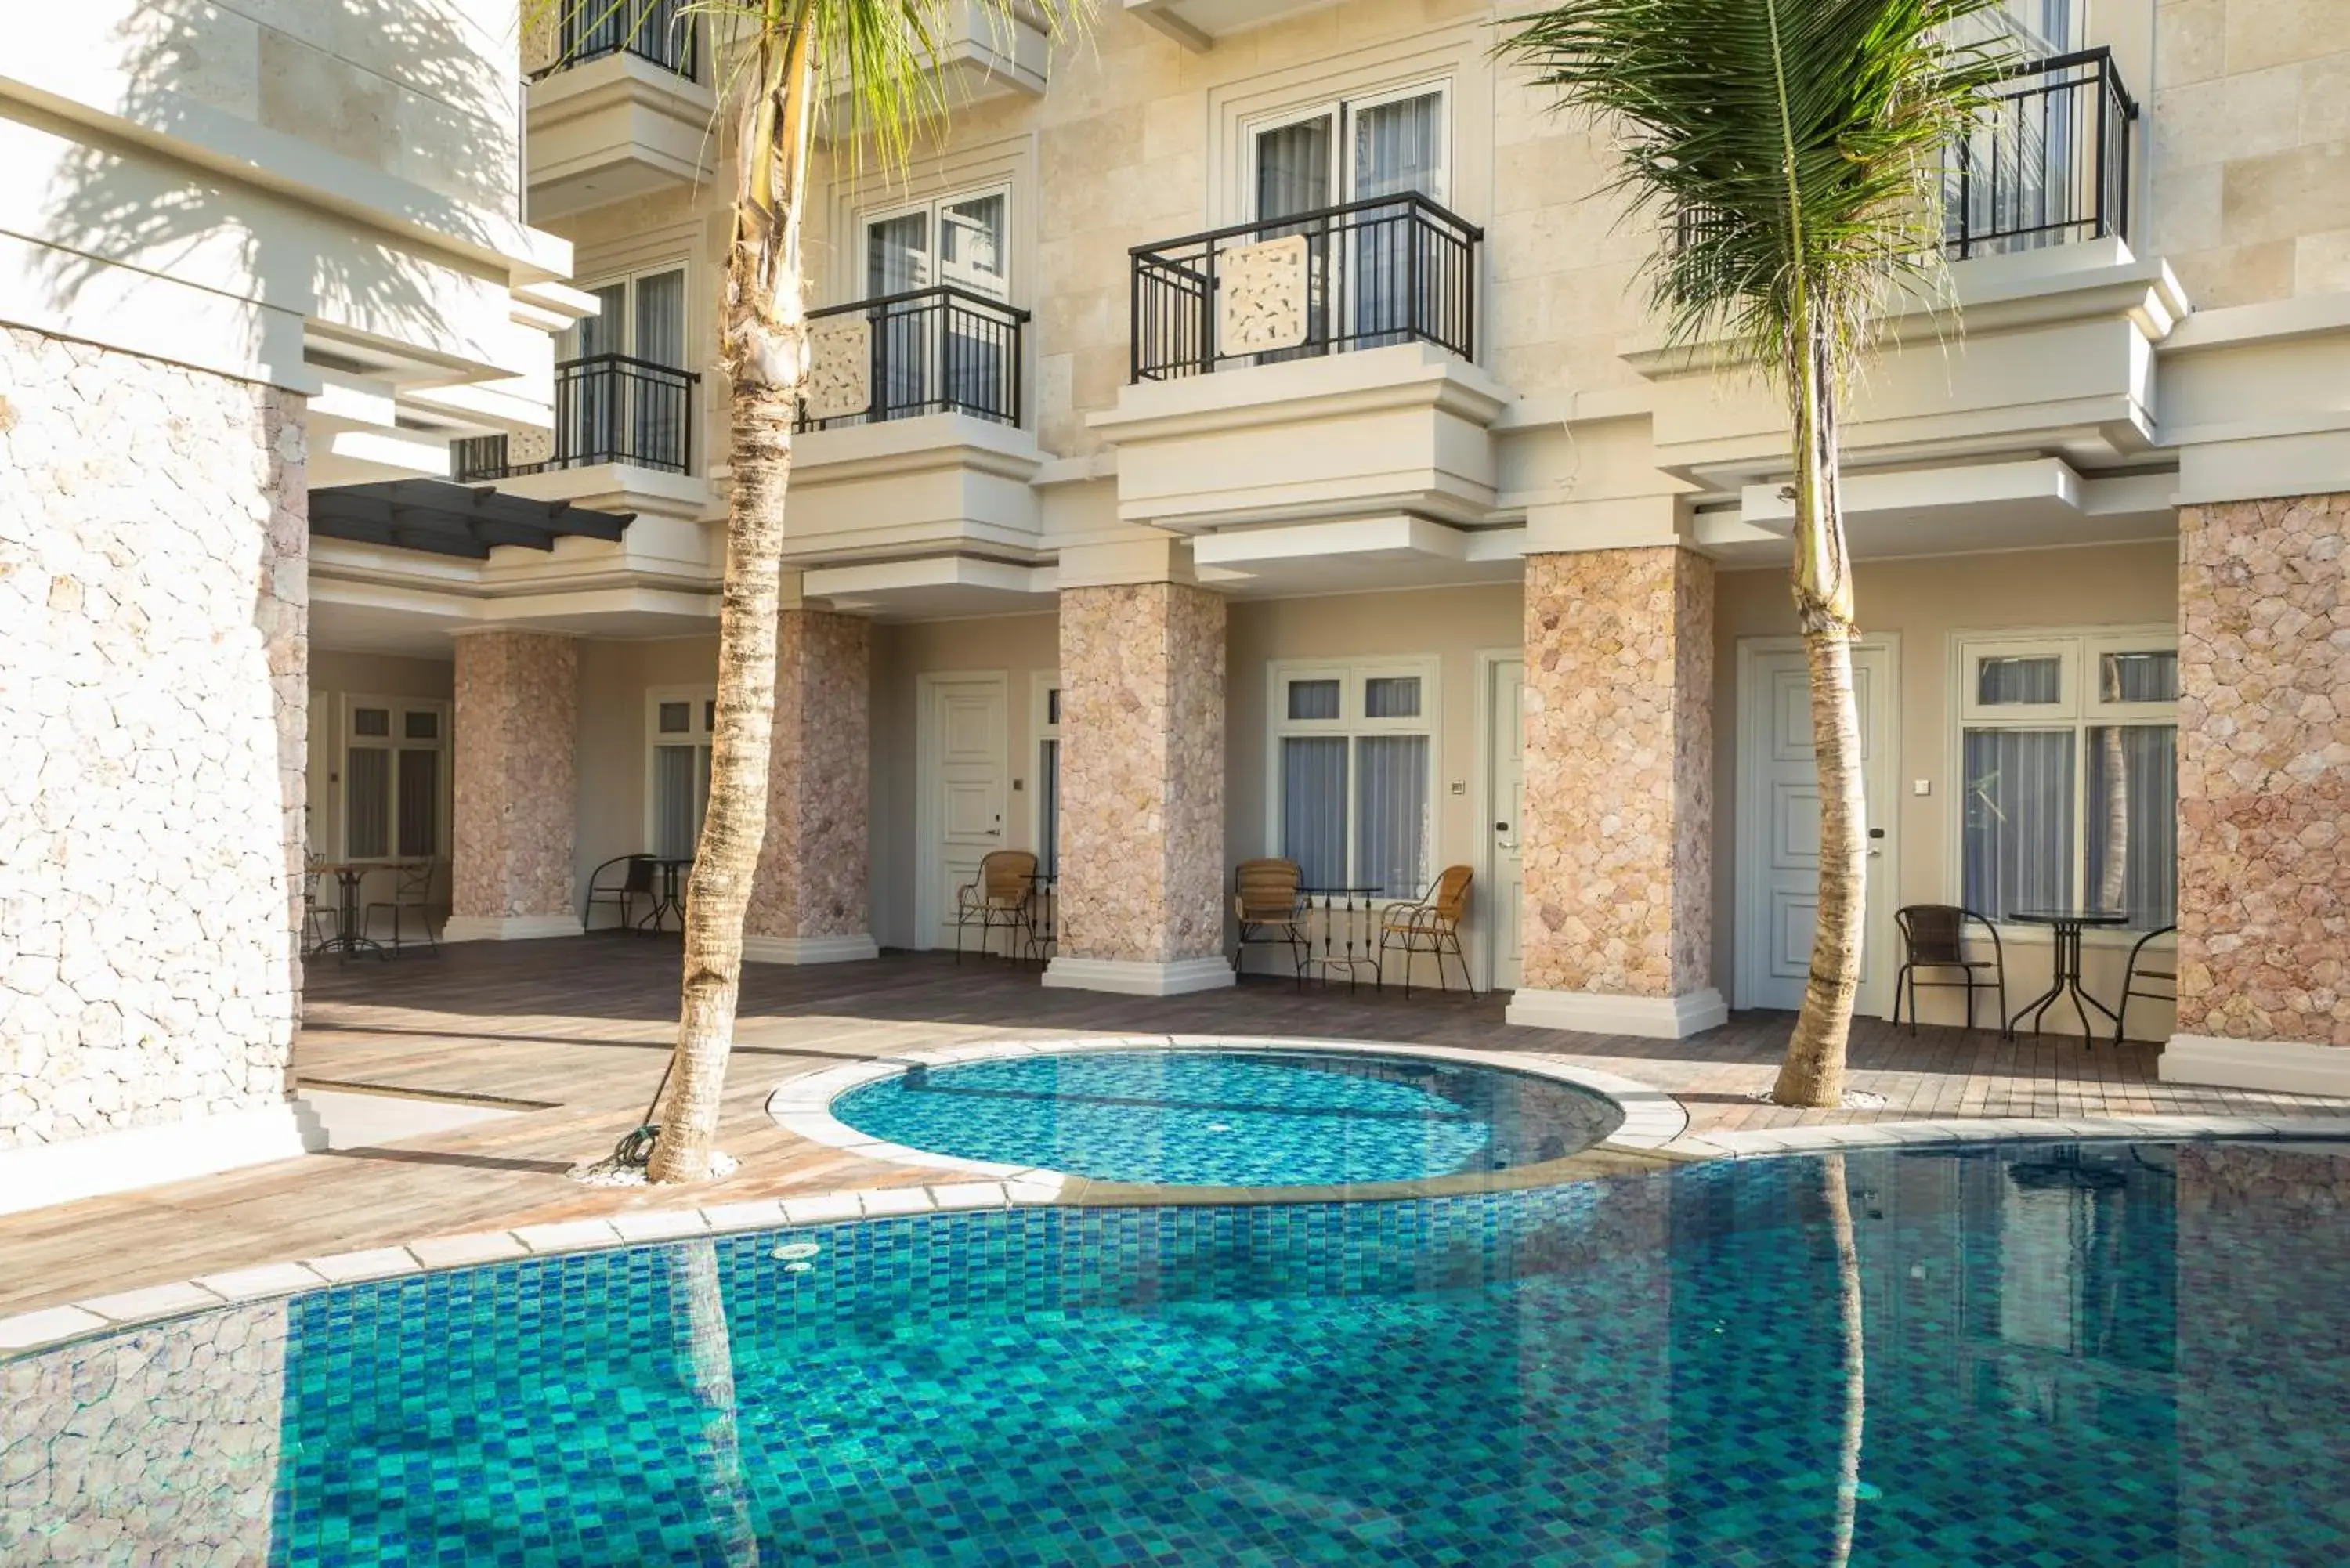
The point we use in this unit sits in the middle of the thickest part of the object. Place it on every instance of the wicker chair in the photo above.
(412, 909)
(2134, 971)
(314, 919)
(635, 881)
(997, 899)
(1933, 936)
(1268, 907)
(1430, 926)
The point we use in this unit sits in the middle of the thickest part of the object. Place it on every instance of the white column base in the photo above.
(508, 927)
(2284, 1066)
(37, 1175)
(810, 949)
(1592, 1013)
(1134, 977)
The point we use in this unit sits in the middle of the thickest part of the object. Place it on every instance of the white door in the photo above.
(1506, 804)
(1779, 826)
(966, 784)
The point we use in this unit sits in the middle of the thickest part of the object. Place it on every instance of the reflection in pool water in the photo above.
(2095, 1354)
(1204, 1116)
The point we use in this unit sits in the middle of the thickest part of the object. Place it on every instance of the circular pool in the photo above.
(2086, 1353)
(1234, 1116)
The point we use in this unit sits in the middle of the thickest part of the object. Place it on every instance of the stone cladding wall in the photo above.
(1619, 753)
(154, 538)
(515, 747)
(812, 879)
(159, 1447)
(1142, 772)
(2265, 770)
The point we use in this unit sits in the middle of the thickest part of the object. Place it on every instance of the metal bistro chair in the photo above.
(1430, 926)
(1933, 936)
(635, 881)
(314, 919)
(412, 909)
(2134, 971)
(1269, 906)
(996, 899)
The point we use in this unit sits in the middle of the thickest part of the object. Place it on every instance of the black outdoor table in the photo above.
(670, 869)
(1350, 911)
(2068, 925)
(349, 937)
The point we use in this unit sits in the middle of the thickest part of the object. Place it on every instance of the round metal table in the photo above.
(2067, 925)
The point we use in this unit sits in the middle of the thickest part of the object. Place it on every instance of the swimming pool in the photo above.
(2090, 1353)
(1227, 1117)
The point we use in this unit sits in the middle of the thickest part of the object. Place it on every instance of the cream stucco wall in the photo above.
(614, 759)
(1924, 601)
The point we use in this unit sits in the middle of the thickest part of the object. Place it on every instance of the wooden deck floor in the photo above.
(577, 1032)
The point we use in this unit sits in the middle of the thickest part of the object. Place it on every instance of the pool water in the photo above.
(2095, 1354)
(1229, 1117)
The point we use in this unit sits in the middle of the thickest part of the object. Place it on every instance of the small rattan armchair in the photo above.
(314, 919)
(1267, 908)
(633, 881)
(1430, 926)
(997, 899)
(2136, 970)
(412, 909)
(1933, 936)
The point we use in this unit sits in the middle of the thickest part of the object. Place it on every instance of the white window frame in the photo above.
(568, 346)
(2078, 709)
(1341, 110)
(1044, 688)
(933, 206)
(348, 738)
(699, 732)
(1352, 674)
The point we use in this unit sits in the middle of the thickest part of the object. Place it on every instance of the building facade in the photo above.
(247, 251)
(1241, 435)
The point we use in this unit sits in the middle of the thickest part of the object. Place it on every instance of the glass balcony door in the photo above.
(929, 354)
(610, 416)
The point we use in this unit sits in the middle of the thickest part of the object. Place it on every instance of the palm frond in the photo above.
(1794, 147)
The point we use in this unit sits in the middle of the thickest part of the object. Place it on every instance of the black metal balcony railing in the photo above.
(1393, 269)
(2051, 166)
(660, 31)
(935, 350)
(609, 408)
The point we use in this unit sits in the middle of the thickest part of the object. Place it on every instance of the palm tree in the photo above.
(1795, 149)
(779, 64)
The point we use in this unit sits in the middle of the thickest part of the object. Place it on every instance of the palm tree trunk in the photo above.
(765, 345)
(1813, 1072)
(2112, 879)
(706, 1350)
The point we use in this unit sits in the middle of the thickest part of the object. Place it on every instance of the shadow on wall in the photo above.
(418, 89)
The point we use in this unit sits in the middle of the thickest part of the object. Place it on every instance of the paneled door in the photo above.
(1779, 825)
(966, 764)
(1506, 804)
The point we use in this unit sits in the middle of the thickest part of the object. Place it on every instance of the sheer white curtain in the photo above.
(1398, 150)
(1314, 807)
(586, 412)
(1391, 815)
(659, 401)
(1293, 170)
(971, 252)
(897, 260)
(677, 801)
(2016, 846)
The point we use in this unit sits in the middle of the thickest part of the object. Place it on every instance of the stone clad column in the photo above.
(2263, 795)
(808, 900)
(1618, 926)
(513, 744)
(1141, 906)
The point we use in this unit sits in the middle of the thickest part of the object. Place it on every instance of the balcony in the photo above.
(911, 450)
(617, 107)
(930, 351)
(2051, 165)
(609, 409)
(1371, 273)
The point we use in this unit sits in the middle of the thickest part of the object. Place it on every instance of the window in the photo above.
(2069, 773)
(1354, 755)
(616, 409)
(394, 775)
(1048, 776)
(680, 724)
(926, 355)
